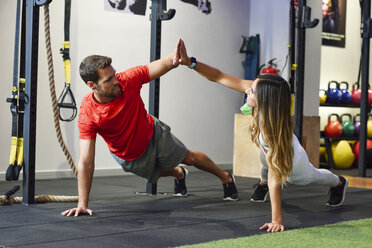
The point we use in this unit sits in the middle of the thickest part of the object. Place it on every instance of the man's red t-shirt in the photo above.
(123, 123)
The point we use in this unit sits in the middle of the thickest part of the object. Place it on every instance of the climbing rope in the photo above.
(53, 91)
(40, 199)
(7, 198)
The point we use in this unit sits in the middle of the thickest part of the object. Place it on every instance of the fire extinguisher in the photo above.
(271, 68)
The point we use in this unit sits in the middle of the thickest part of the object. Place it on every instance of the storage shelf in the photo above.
(323, 136)
(341, 105)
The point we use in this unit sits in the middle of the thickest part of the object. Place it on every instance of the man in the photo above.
(139, 142)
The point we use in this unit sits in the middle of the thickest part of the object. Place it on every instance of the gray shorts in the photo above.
(163, 153)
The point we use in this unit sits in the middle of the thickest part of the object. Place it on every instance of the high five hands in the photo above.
(180, 56)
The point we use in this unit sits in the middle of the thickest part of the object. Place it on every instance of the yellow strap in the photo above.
(13, 150)
(20, 152)
(67, 71)
(292, 103)
(21, 87)
(67, 63)
(22, 82)
(14, 94)
(66, 44)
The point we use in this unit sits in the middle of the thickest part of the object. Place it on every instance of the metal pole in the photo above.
(154, 55)
(300, 75)
(29, 129)
(32, 39)
(303, 22)
(157, 15)
(366, 35)
(292, 43)
(154, 84)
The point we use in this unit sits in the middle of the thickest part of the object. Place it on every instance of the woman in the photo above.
(283, 159)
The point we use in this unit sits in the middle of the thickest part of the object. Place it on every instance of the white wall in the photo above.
(200, 113)
(312, 61)
(270, 19)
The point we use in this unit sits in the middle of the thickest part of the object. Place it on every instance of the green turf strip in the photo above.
(350, 234)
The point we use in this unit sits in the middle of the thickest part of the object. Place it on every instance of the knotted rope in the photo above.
(53, 91)
(7, 198)
(39, 199)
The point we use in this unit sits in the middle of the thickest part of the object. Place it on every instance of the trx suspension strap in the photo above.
(17, 101)
(65, 51)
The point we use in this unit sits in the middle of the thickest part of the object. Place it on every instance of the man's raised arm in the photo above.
(161, 66)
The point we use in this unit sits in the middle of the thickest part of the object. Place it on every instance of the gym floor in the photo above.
(124, 218)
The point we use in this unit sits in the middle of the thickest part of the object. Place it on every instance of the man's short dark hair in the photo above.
(89, 67)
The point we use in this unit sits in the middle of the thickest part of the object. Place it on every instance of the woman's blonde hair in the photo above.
(272, 118)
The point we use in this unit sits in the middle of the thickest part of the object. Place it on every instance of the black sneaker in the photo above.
(260, 193)
(180, 185)
(337, 193)
(230, 191)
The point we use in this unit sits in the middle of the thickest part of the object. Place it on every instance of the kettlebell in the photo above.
(322, 96)
(333, 93)
(343, 156)
(345, 94)
(348, 128)
(356, 121)
(333, 127)
(355, 94)
(369, 126)
(356, 148)
(369, 95)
